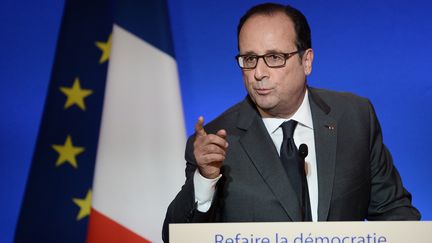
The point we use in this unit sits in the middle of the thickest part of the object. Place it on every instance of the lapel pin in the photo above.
(330, 127)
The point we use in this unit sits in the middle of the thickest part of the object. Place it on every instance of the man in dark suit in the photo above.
(236, 170)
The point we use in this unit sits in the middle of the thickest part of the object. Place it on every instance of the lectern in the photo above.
(304, 232)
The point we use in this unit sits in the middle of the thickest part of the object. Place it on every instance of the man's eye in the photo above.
(250, 59)
(274, 57)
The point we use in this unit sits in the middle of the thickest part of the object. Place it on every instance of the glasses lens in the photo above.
(248, 61)
(274, 60)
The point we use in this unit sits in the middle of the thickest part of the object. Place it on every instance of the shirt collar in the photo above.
(303, 116)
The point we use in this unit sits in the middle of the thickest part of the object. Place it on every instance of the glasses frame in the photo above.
(286, 57)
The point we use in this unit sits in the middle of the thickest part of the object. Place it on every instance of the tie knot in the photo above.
(288, 128)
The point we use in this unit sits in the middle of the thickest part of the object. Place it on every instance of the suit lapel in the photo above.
(325, 132)
(260, 148)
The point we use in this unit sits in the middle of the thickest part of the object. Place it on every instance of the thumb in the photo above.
(222, 133)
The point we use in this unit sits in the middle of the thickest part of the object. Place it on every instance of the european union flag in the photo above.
(57, 200)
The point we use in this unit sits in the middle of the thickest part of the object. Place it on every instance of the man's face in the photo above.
(277, 92)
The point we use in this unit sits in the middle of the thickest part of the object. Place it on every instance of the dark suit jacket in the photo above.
(356, 176)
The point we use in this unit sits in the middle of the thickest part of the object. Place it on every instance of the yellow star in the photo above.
(84, 205)
(67, 152)
(75, 95)
(105, 47)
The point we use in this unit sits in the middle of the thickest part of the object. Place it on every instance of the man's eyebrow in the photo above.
(249, 53)
(272, 51)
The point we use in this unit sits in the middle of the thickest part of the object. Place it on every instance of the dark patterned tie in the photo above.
(295, 168)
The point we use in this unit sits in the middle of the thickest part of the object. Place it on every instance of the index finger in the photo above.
(199, 130)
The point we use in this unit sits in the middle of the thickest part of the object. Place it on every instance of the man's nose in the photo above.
(261, 70)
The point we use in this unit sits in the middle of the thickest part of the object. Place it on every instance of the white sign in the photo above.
(304, 232)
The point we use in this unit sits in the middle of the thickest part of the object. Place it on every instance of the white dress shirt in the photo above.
(303, 133)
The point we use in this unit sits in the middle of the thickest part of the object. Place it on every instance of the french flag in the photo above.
(139, 165)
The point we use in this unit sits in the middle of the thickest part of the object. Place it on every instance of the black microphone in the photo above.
(306, 210)
(303, 151)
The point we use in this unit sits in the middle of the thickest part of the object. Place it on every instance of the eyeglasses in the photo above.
(272, 60)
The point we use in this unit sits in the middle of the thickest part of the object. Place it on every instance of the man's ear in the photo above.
(308, 57)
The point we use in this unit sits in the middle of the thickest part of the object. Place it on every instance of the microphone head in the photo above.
(303, 150)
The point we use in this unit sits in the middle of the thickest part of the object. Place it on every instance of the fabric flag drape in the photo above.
(138, 146)
(56, 203)
(139, 161)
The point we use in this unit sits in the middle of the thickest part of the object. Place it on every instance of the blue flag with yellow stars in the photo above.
(57, 199)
